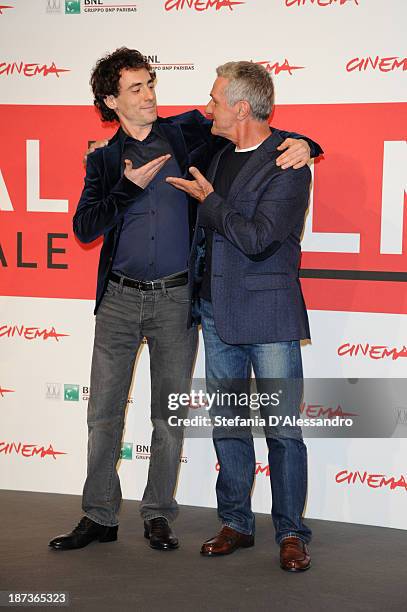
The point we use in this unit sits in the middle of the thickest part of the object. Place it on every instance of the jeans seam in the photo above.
(112, 468)
(154, 516)
(90, 516)
(233, 526)
(113, 465)
(141, 309)
(291, 535)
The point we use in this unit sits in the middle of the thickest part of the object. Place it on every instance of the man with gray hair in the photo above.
(253, 314)
(143, 287)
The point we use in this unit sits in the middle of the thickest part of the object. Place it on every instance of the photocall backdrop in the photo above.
(339, 68)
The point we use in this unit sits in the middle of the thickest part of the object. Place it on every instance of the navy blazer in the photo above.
(107, 194)
(256, 292)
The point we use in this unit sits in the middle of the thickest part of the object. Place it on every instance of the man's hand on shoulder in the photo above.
(144, 175)
(93, 145)
(296, 153)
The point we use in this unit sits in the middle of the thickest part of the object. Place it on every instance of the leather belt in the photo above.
(177, 281)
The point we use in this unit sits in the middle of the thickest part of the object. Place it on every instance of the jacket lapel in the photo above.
(112, 158)
(214, 163)
(264, 153)
(112, 155)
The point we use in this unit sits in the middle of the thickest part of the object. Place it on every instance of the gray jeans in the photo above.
(125, 316)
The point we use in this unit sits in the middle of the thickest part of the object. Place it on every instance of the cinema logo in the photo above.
(320, 411)
(101, 6)
(374, 481)
(377, 64)
(372, 351)
(30, 69)
(3, 7)
(158, 65)
(142, 452)
(4, 391)
(29, 450)
(321, 2)
(261, 468)
(275, 67)
(30, 333)
(201, 5)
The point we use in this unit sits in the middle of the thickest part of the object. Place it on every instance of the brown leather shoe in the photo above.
(294, 555)
(227, 541)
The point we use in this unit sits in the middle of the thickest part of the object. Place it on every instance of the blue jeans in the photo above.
(228, 364)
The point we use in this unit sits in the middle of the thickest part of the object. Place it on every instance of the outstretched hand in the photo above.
(199, 188)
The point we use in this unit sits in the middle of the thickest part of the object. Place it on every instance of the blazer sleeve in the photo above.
(280, 210)
(97, 212)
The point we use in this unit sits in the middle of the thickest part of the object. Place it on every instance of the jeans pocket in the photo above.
(111, 288)
(180, 294)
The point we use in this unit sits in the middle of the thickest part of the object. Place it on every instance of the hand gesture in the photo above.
(199, 189)
(143, 175)
(297, 153)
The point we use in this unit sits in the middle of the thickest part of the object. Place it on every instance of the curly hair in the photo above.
(105, 76)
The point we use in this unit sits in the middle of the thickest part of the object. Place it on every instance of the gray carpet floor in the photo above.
(354, 567)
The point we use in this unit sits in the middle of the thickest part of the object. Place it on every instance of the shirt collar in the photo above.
(123, 137)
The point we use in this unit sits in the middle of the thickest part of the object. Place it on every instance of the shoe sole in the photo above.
(162, 547)
(295, 569)
(101, 539)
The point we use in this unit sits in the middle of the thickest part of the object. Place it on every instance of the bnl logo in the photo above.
(126, 451)
(71, 393)
(72, 7)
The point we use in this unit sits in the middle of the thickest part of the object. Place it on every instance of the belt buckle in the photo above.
(149, 283)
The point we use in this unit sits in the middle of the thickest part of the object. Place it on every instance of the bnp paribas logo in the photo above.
(72, 7)
(71, 393)
(127, 451)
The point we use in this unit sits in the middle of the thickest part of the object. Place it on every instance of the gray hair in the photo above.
(251, 82)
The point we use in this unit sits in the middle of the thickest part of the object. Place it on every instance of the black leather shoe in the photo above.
(85, 532)
(160, 534)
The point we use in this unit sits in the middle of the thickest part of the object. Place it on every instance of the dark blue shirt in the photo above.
(154, 239)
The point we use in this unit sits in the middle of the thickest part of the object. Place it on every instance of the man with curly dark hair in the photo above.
(142, 289)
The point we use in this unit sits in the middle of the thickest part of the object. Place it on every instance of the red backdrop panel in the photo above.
(347, 198)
